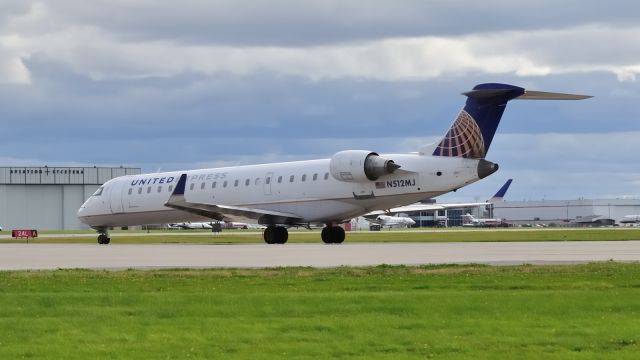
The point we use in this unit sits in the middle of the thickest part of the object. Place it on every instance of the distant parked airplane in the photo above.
(392, 221)
(327, 191)
(469, 221)
(630, 219)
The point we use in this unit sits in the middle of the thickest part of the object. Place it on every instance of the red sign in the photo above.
(24, 233)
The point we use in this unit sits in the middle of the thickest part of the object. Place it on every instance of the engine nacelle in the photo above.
(360, 165)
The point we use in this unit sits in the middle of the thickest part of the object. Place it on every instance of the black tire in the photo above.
(282, 235)
(107, 240)
(337, 235)
(326, 238)
(102, 239)
(270, 234)
(332, 235)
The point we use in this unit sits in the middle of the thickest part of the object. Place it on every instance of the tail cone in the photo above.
(486, 168)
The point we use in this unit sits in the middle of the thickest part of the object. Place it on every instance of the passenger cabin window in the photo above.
(279, 179)
(246, 182)
(315, 177)
(149, 190)
(139, 190)
(291, 178)
(130, 191)
(235, 183)
(213, 185)
(304, 177)
(202, 186)
(170, 188)
(224, 184)
(192, 186)
(268, 181)
(159, 188)
(326, 176)
(98, 192)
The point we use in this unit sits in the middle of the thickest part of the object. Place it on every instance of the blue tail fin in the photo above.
(472, 132)
(503, 190)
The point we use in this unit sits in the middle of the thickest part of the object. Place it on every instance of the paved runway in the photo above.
(54, 256)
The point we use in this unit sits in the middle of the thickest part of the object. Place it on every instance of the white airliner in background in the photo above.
(392, 221)
(470, 220)
(630, 219)
(326, 191)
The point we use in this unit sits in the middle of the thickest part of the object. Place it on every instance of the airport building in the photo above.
(47, 198)
(582, 212)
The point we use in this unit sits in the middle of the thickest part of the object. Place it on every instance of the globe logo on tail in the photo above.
(464, 139)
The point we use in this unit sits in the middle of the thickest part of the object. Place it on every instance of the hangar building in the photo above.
(47, 198)
(582, 212)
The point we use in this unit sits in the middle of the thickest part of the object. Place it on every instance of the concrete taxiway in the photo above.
(65, 256)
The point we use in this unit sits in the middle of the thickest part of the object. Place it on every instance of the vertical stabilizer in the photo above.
(471, 134)
(503, 190)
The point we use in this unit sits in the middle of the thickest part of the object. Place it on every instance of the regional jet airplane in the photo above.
(326, 191)
(393, 221)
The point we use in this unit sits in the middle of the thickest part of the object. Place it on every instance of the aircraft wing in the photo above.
(425, 207)
(226, 212)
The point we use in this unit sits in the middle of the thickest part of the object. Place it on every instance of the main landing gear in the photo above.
(332, 234)
(103, 237)
(275, 234)
(279, 234)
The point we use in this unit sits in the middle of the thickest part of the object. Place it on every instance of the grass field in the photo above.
(305, 236)
(445, 312)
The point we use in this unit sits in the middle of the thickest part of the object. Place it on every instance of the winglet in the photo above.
(177, 195)
(182, 183)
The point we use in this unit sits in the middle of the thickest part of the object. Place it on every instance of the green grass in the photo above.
(445, 312)
(305, 236)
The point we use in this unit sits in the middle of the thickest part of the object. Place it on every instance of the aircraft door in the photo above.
(268, 179)
(115, 196)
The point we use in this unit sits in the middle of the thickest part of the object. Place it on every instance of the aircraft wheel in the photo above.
(324, 235)
(337, 234)
(103, 239)
(332, 235)
(269, 234)
(282, 235)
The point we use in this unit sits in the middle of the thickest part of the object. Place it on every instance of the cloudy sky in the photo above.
(178, 85)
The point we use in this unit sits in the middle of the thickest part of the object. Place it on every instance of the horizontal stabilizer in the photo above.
(544, 95)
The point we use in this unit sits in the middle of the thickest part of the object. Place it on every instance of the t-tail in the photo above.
(471, 134)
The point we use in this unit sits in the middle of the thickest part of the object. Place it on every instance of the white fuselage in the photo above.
(304, 188)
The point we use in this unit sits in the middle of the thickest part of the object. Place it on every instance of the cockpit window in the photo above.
(98, 192)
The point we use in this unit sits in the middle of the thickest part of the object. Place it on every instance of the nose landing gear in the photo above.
(103, 237)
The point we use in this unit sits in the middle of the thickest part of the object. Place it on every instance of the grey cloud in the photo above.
(306, 23)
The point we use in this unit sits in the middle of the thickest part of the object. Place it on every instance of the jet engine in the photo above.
(360, 165)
